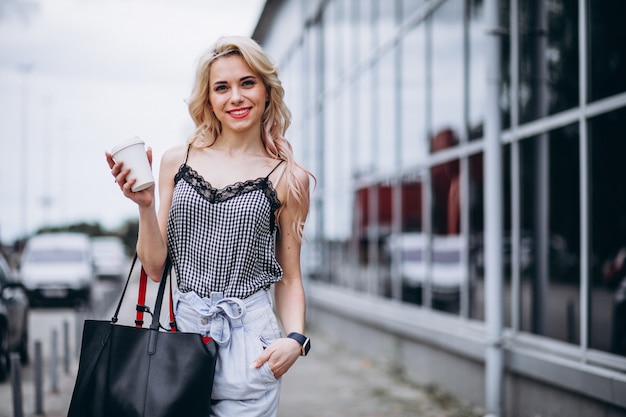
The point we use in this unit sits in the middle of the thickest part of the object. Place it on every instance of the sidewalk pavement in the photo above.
(329, 382)
(332, 382)
(55, 404)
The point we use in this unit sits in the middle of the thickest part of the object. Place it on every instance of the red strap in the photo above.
(141, 298)
(141, 302)
(172, 321)
(205, 339)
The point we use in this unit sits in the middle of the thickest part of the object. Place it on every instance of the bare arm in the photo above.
(288, 294)
(152, 238)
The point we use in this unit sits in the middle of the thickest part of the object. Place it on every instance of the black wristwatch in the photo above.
(304, 341)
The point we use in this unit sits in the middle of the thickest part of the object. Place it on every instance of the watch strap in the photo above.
(304, 341)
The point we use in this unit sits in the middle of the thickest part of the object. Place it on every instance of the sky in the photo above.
(79, 76)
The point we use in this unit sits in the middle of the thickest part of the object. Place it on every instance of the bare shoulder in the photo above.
(174, 157)
(299, 179)
(281, 169)
(302, 175)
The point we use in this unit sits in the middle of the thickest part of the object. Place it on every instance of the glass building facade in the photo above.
(389, 102)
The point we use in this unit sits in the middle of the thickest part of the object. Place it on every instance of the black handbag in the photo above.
(126, 371)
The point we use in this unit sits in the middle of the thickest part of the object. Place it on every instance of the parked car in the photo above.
(109, 257)
(13, 318)
(58, 266)
(446, 271)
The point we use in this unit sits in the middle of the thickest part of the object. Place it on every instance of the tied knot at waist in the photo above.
(218, 314)
(222, 314)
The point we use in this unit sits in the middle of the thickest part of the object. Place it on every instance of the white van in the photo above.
(446, 270)
(109, 257)
(58, 266)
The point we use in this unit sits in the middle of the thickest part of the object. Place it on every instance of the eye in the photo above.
(249, 83)
(220, 88)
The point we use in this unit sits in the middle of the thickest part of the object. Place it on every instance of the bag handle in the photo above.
(157, 308)
(119, 304)
(141, 302)
(156, 315)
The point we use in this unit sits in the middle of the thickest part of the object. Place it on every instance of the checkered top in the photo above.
(223, 239)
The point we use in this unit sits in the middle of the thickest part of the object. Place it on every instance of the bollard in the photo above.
(16, 384)
(54, 362)
(66, 347)
(38, 379)
(79, 319)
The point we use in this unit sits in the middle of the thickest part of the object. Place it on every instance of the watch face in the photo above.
(306, 346)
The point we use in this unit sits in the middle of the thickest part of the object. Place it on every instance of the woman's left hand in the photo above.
(279, 355)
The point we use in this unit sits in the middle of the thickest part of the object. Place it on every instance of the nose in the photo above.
(236, 96)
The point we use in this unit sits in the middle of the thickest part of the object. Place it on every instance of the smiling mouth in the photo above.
(237, 113)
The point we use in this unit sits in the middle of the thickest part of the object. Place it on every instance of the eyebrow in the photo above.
(245, 78)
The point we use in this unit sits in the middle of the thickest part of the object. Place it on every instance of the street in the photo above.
(329, 382)
(66, 322)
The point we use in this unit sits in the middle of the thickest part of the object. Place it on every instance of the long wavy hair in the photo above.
(274, 123)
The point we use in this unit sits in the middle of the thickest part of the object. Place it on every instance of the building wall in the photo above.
(430, 349)
(389, 103)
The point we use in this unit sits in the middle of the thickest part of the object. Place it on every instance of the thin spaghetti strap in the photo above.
(274, 169)
(187, 156)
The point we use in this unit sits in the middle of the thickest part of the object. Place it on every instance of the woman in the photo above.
(232, 208)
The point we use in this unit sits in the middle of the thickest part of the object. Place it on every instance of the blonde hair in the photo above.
(275, 121)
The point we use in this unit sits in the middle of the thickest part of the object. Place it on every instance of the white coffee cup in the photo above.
(133, 154)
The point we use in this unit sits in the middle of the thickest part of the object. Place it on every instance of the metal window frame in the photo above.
(513, 136)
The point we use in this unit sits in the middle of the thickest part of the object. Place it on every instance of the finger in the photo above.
(121, 175)
(110, 160)
(127, 187)
(117, 168)
(258, 362)
(149, 153)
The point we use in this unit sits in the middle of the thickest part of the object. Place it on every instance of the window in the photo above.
(607, 52)
(549, 57)
(447, 67)
(607, 330)
(413, 97)
(550, 206)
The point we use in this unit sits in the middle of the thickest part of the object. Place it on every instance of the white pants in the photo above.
(242, 330)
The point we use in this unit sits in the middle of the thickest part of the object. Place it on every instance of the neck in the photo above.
(238, 144)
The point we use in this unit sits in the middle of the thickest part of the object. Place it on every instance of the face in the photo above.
(237, 95)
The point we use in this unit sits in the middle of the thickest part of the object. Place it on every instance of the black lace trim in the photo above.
(215, 195)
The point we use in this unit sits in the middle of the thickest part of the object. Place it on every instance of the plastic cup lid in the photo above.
(130, 142)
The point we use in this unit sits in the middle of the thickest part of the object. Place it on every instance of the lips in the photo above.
(239, 113)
